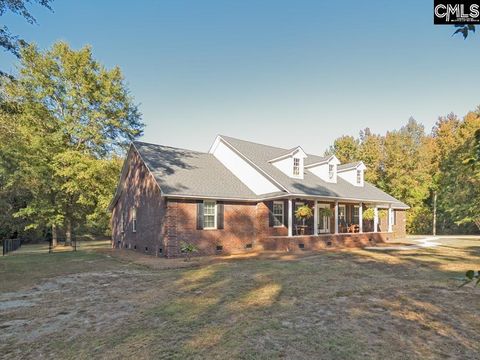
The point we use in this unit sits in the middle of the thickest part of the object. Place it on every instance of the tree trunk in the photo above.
(68, 233)
(54, 236)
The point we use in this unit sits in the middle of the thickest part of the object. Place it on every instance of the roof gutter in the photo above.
(286, 196)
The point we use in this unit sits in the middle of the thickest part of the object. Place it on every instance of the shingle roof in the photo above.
(181, 172)
(191, 173)
(311, 184)
(351, 165)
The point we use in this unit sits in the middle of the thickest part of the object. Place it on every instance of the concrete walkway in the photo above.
(426, 242)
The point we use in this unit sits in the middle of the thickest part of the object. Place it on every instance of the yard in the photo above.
(100, 303)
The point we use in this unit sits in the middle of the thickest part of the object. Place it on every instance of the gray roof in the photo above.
(191, 173)
(181, 172)
(311, 184)
(351, 165)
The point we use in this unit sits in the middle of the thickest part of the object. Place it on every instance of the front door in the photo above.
(323, 221)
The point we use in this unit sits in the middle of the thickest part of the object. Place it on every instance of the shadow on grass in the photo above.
(338, 304)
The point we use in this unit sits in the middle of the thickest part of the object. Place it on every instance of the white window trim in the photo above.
(331, 173)
(134, 220)
(283, 213)
(296, 168)
(359, 177)
(356, 217)
(214, 215)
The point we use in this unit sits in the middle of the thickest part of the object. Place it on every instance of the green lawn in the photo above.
(330, 305)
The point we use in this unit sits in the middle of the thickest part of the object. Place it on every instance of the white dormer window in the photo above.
(352, 172)
(291, 163)
(296, 166)
(325, 169)
(331, 171)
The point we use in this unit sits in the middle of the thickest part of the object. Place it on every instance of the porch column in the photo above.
(336, 216)
(360, 218)
(375, 219)
(315, 218)
(290, 216)
(390, 218)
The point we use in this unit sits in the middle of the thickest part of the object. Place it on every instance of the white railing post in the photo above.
(315, 218)
(360, 218)
(375, 219)
(290, 216)
(336, 216)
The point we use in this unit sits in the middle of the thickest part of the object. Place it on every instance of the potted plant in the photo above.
(303, 213)
(369, 214)
(325, 212)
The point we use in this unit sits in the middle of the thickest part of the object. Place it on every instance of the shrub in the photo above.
(188, 249)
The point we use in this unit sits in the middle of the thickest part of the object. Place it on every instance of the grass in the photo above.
(349, 304)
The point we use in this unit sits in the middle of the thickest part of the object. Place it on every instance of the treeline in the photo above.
(414, 166)
(64, 123)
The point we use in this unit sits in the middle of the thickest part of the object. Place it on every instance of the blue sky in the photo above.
(284, 73)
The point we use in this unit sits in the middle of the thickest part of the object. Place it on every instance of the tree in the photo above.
(458, 177)
(408, 172)
(464, 30)
(371, 153)
(76, 117)
(8, 41)
(345, 149)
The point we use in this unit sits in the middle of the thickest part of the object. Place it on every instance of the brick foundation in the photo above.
(321, 242)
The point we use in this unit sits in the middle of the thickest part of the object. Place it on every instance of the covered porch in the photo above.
(336, 217)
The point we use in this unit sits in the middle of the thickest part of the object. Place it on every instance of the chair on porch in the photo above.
(353, 228)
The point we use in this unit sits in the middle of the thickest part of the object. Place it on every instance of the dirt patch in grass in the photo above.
(349, 304)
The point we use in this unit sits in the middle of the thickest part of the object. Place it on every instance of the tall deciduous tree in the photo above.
(345, 149)
(458, 179)
(78, 115)
(8, 41)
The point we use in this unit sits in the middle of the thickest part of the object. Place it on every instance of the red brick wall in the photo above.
(139, 190)
(239, 228)
(262, 222)
(400, 226)
(322, 241)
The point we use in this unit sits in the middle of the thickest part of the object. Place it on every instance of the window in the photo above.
(331, 168)
(209, 215)
(122, 223)
(134, 219)
(277, 213)
(356, 214)
(359, 177)
(394, 217)
(296, 166)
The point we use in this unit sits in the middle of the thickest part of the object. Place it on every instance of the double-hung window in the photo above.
(209, 215)
(296, 166)
(278, 213)
(331, 168)
(359, 177)
(134, 219)
(356, 214)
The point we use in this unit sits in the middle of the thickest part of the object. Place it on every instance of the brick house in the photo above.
(241, 196)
